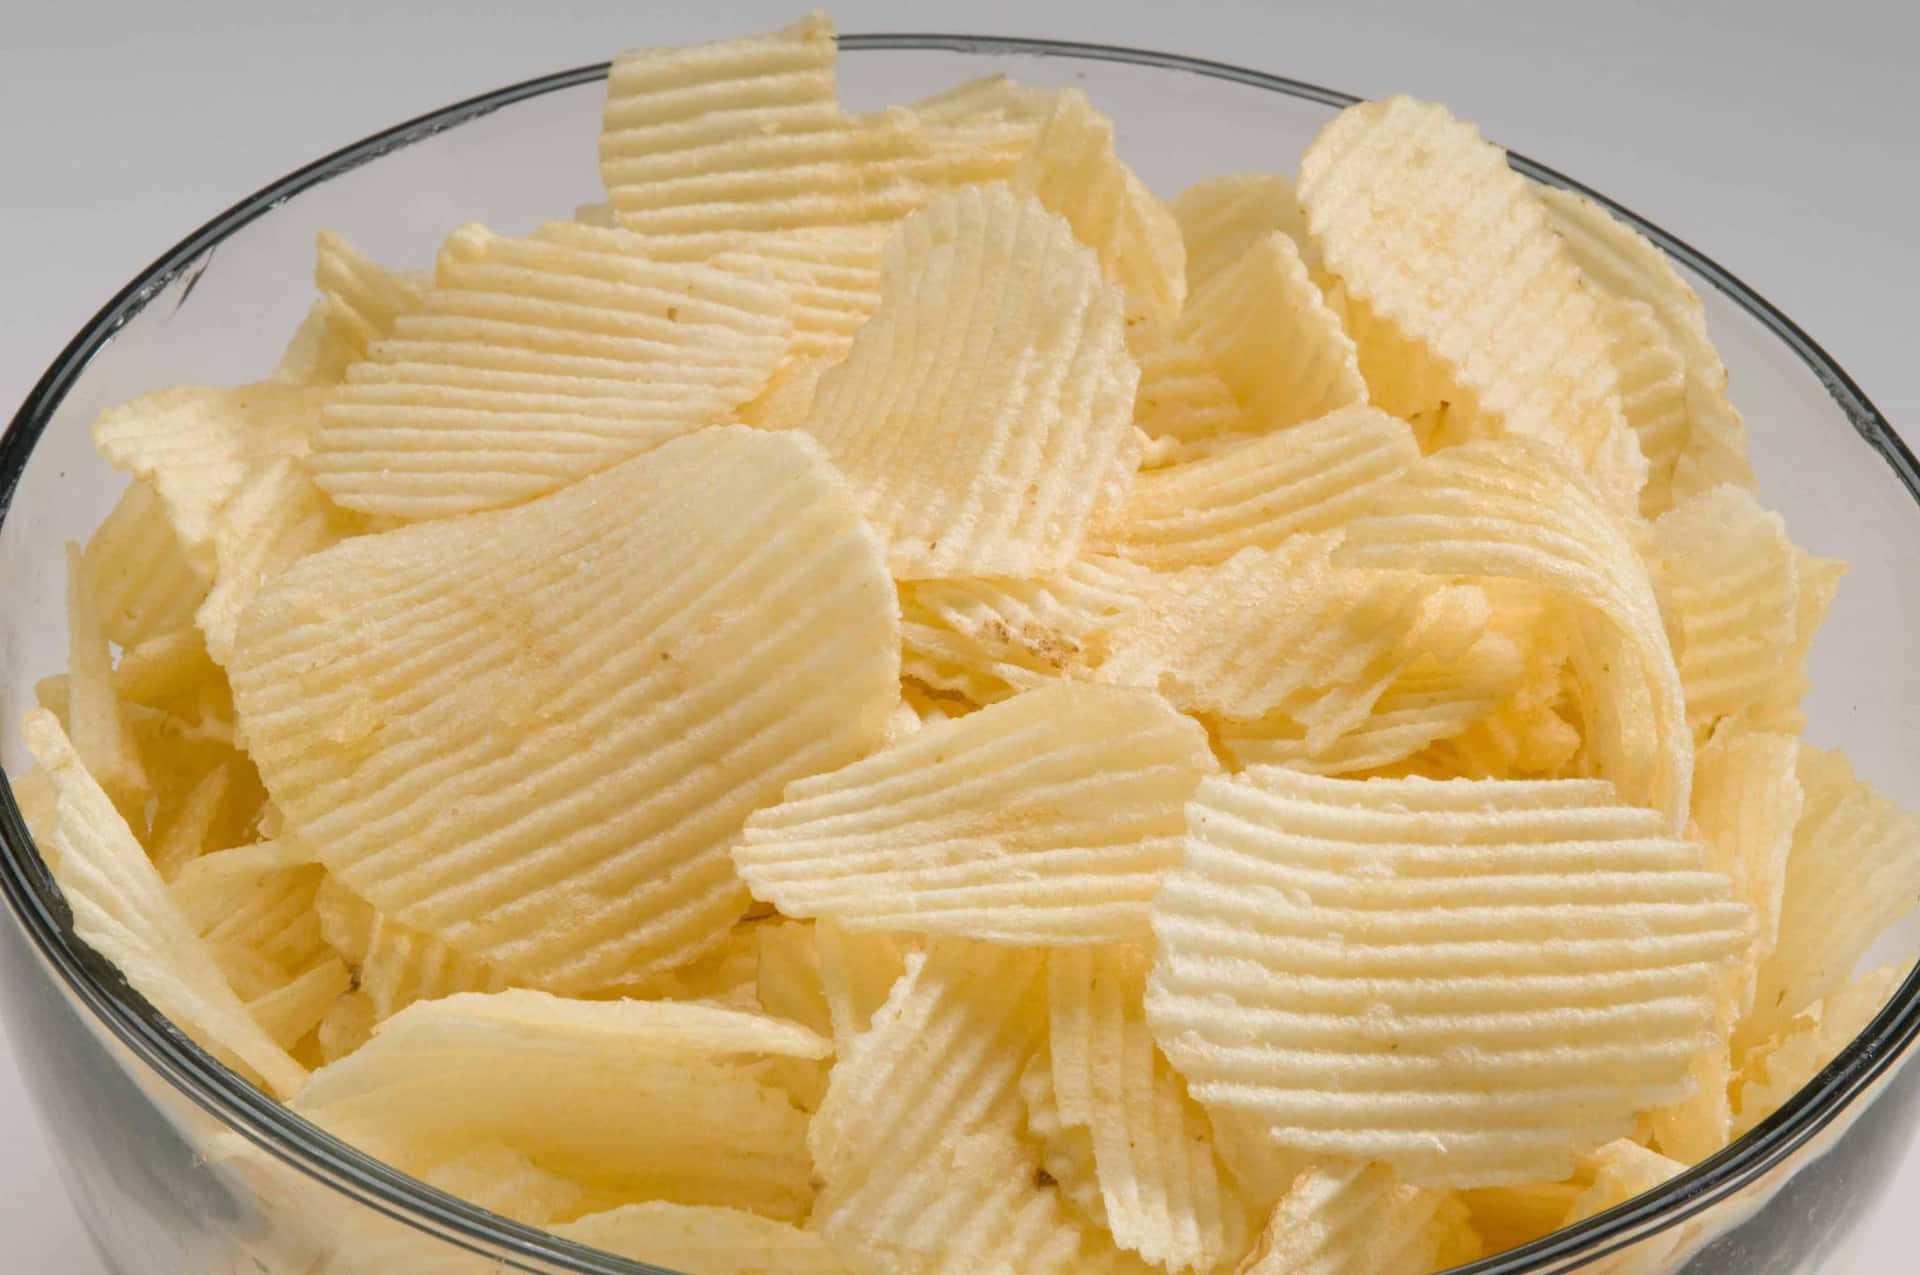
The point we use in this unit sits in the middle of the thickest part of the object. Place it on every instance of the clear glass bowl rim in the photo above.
(42, 912)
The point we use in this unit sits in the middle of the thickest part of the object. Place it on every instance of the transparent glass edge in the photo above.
(34, 898)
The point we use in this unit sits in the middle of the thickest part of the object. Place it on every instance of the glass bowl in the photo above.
(180, 1168)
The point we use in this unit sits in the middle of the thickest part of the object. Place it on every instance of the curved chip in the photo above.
(1459, 290)
(1653, 394)
(972, 474)
(142, 580)
(1468, 980)
(393, 965)
(1220, 217)
(1817, 581)
(95, 719)
(1261, 490)
(1181, 397)
(502, 1180)
(532, 363)
(254, 908)
(569, 708)
(1349, 1219)
(704, 1240)
(360, 300)
(1773, 1072)
(1045, 818)
(831, 275)
(986, 98)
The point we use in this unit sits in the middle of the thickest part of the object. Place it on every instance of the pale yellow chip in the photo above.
(1048, 817)
(1349, 1219)
(1818, 580)
(171, 672)
(1853, 871)
(569, 709)
(858, 969)
(704, 1240)
(1270, 334)
(1220, 217)
(254, 908)
(95, 718)
(290, 1012)
(1259, 490)
(1620, 1171)
(503, 1180)
(347, 1025)
(1459, 291)
(393, 965)
(1470, 981)
(988, 638)
(143, 582)
(831, 275)
(1181, 397)
(1122, 1121)
(1532, 734)
(1511, 509)
(582, 1088)
(1773, 1072)
(121, 909)
(787, 974)
(360, 299)
(971, 474)
(1653, 393)
(1284, 630)
(1073, 171)
(985, 99)
(534, 362)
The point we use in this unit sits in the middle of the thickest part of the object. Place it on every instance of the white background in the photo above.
(1779, 137)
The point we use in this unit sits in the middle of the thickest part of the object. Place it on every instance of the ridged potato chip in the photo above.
(532, 363)
(969, 474)
(121, 909)
(787, 976)
(858, 969)
(1260, 490)
(142, 580)
(1773, 1072)
(1620, 1171)
(500, 1179)
(1303, 939)
(290, 1012)
(831, 275)
(1046, 818)
(1220, 217)
(1460, 292)
(94, 718)
(360, 299)
(393, 965)
(1180, 397)
(1509, 1216)
(254, 908)
(1818, 581)
(569, 708)
(1653, 394)
(704, 1240)
(1349, 1219)
(984, 99)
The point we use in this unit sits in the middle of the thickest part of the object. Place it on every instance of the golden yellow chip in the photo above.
(295, 1008)
(1220, 217)
(171, 672)
(569, 708)
(1459, 291)
(1509, 1216)
(142, 580)
(393, 965)
(1260, 490)
(1468, 980)
(361, 300)
(1653, 394)
(704, 1240)
(95, 718)
(532, 363)
(1349, 1219)
(121, 909)
(1047, 817)
(1773, 1072)
(984, 475)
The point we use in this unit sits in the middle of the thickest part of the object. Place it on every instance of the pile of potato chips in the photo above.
(887, 702)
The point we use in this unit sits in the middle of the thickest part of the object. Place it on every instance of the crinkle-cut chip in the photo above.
(988, 638)
(1073, 171)
(532, 363)
(1702, 1122)
(787, 975)
(1180, 397)
(918, 1146)
(1525, 737)
(1508, 1216)
(1620, 1171)
(361, 299)
(788, 398)
(277, 517)
(702, 142)
(704, 1240)
(1653, 393)
(504, 1181)
(173, 673)
(143, 582)
(1747, 802)
(393, 964)
(723, 977)
(580, 1088)
(1459, 291)
(346, 1026)
(1220, 217)
(568, 709)
(1776, 1070)
(1045, 818)
(292, 1010)
(1260, 490)
(1725, 570)
(1161, 1191)
(197, 445)
(314, 355)
(96, 720)
(1621, 261)
(1285, 630)
(1511, 509)
(986, 98)
(1469, 980)
(1853, 870)
(831, 275)
(858, 969)
(1818, 580)
(122, 910)
(1430, 700)
(257, 899)
(1066, 1149)
(1274, 341)
(971, 474)
(1349, 1219)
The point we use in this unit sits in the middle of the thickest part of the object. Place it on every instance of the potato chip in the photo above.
(1349, 1219)
(986, 98)
(142, 581)
(1653, 393)
(394, 965)
(570, 708)
(787, 976)
(918, 1146)
(1181, 397)
(1157, 1185)
(1747, 802)
(95, 718)
(173, 673)
(578, 1087)
(1046, 818)
(988, 638)
(295, 1008)
(121, 909)
(1304, 937)
(831, 275)
(532, 363)
(1273, 339)
(967, 474)
(38, 797)
(360, 299)
(1773, 1072)
(1073, 171)
(1853, 870)
(1818, 581)
(500, 1179)
(1285, 630)
(1620, 1171)
(1459, 291)
(1510, 509)
(1508, 1216)
(858, 969)
(1221, 217)
(1260, 490)
(704, 1240)
(346, 1026)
